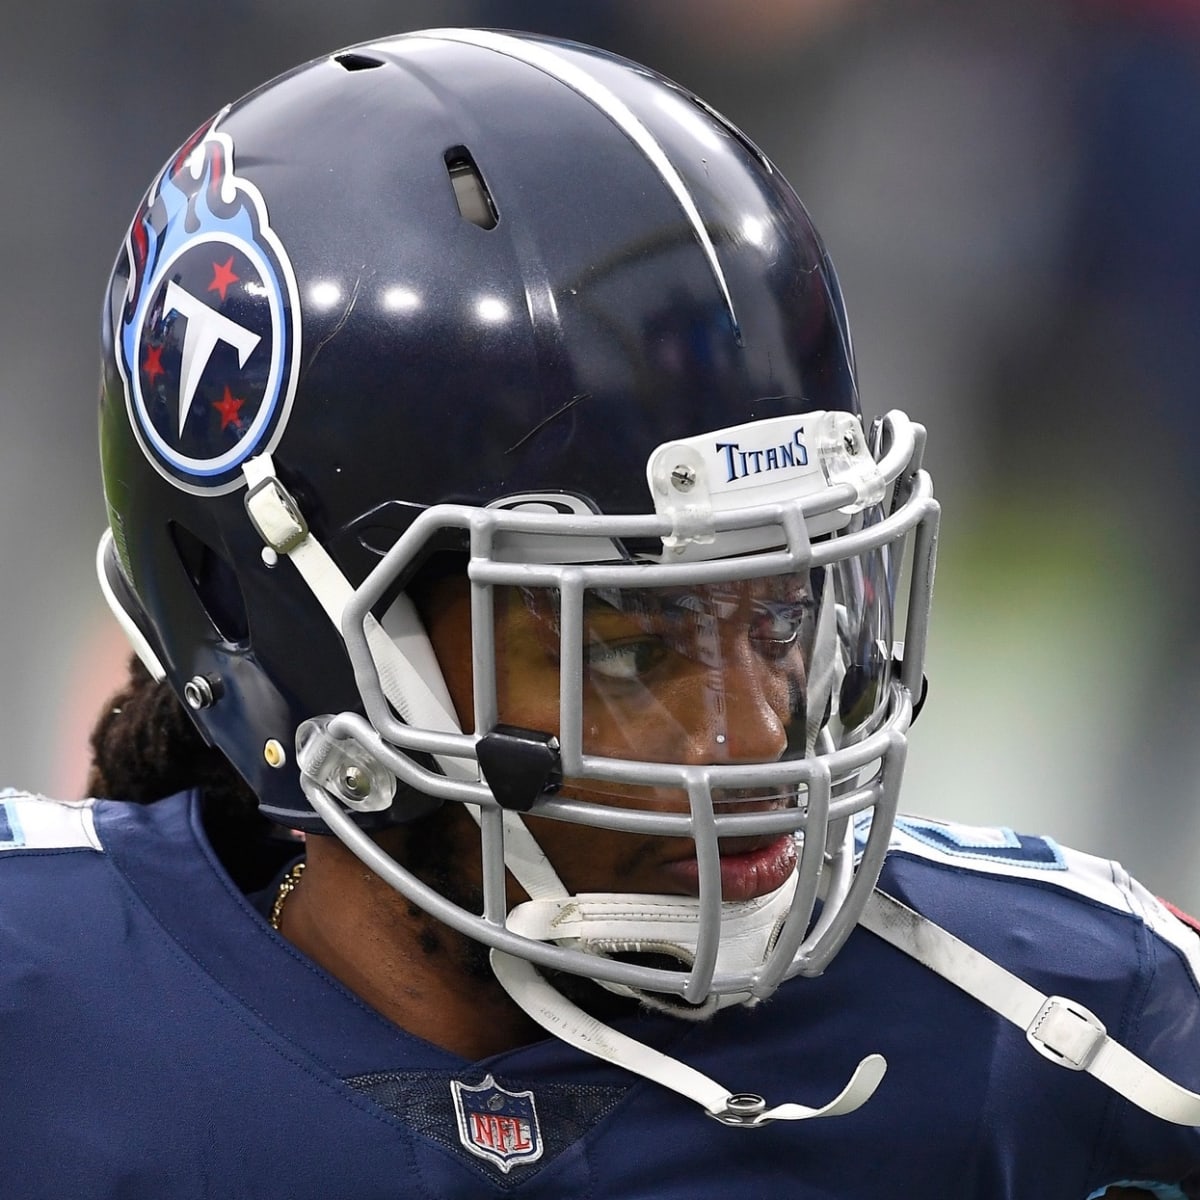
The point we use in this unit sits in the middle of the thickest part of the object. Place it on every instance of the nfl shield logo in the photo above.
(496, 1124)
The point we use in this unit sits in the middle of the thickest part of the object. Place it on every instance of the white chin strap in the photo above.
(554, 1013)
(604, 923)
(616, 924)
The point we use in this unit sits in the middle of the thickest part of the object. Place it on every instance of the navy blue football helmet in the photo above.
(515, 308)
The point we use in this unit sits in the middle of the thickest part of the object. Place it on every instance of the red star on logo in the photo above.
(223, 276)
(152, 364)
(229, 407)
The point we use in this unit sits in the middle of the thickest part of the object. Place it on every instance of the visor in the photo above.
(703, 675)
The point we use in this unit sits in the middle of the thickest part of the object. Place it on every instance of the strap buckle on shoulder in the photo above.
(1066, 1033)
(1061, 1030)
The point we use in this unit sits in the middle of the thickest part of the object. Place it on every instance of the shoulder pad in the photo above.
(1002, 851)
(29, 822)
(998, 850)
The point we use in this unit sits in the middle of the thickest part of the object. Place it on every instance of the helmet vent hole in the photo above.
(474, 200)
(357, 62)
(215, 583)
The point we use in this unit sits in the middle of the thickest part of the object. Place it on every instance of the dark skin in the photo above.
(415, 971)
(422, 975)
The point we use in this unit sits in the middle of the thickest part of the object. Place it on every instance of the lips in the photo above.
(750, 867)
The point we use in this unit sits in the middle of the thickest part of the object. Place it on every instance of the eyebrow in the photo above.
(646, 602)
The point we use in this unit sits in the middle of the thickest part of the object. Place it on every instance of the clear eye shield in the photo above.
(705, 674)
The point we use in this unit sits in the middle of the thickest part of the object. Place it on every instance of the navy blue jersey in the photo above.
(158, 1039)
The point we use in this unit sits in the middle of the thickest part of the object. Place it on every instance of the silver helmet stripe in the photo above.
(617, 111)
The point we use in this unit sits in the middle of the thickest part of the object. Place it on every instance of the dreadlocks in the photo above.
(145, 748)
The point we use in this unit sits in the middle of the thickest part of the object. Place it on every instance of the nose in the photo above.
(741, 712)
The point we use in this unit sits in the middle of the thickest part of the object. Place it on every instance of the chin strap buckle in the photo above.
(1066, 1033)
(743, 1109)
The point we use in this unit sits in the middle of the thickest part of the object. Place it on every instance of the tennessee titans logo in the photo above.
(496, 1124)
(208, 338)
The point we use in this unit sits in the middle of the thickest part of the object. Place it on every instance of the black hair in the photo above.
(145, 748)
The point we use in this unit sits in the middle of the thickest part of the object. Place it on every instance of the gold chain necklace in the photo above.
(286, 887)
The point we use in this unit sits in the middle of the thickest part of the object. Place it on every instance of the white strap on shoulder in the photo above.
(1060, 1029)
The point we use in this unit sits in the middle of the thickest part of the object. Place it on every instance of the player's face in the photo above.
(706, 675)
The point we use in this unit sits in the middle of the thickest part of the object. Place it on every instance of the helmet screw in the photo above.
(684, 478)
(356, 782)
(274, 754)
(201, 691)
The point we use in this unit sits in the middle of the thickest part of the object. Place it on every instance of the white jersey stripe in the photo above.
(35, 823)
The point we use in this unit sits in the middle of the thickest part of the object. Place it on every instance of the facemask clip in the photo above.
(342, 768)
(520, 765)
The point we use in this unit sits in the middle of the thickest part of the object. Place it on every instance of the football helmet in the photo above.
(509, 309)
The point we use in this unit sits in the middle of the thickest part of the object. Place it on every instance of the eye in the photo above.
(776, 628)
(626, 661)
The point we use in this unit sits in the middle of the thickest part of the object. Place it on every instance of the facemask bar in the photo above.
(389, 739)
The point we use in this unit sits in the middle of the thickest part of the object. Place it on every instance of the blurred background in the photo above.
(1011, 192)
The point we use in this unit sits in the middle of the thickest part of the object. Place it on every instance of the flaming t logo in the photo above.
(208, 338)
(205, 328)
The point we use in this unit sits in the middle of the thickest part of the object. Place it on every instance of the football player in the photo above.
(528, 626)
